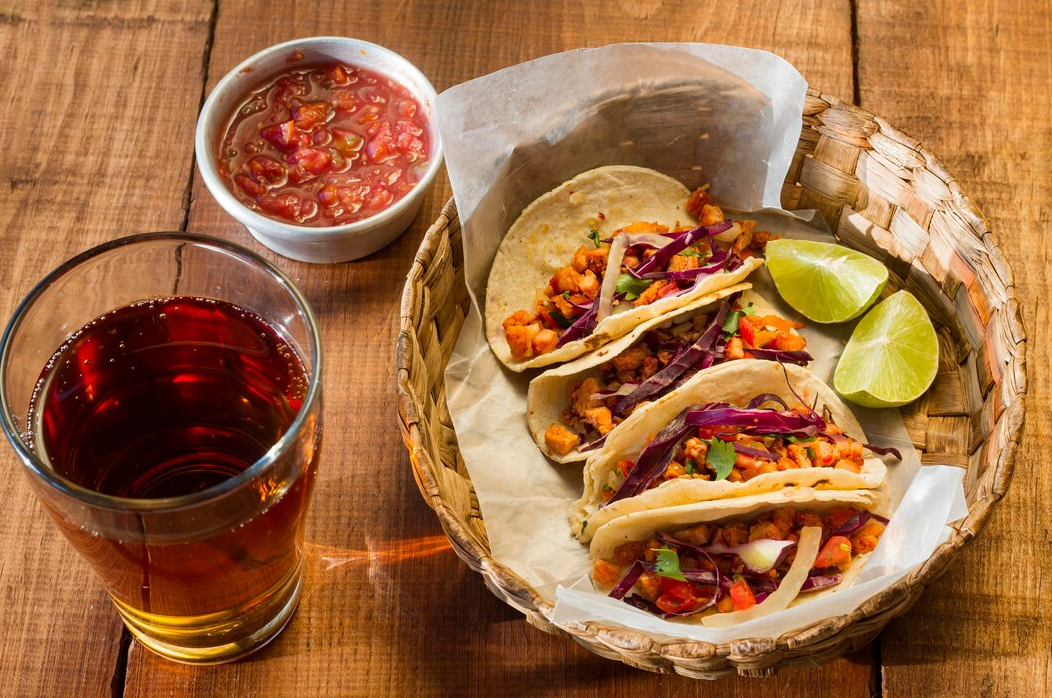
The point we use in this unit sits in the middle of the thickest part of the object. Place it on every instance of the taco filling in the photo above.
(641, 263)
(734, 565)
(718, 441)
(661, 360)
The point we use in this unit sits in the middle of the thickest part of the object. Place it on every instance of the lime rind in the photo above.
(892, 356)
(825, 282)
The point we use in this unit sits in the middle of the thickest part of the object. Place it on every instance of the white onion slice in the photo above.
(788, 589)
(618, 247)
(729, 234)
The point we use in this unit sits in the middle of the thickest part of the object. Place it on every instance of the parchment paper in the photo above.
(700, 113)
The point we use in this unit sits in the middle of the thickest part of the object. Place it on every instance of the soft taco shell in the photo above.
(641, 525)
(548, 392)
(736, 382)
(549, 231)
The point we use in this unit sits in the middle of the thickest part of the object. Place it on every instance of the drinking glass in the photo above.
(201, 551)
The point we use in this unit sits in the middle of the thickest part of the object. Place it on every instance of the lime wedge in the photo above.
(825, 282)
(892, 356)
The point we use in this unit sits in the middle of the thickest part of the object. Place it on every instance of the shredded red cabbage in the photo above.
(625, 389)
(856, 522)
(819, 582)
(884, 450)
(800, 358)
(679, 243)
(664, 378)
(653, 460)
(766, 397)
(628, 581)
(759, 422)
(728, 263)
(592, 445)
(754, 452)
(581, 327)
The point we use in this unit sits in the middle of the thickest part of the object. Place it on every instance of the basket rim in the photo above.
(744, 651)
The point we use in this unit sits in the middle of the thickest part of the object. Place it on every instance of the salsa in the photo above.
(325, 145)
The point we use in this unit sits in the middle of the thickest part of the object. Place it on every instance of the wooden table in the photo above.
(100, 102)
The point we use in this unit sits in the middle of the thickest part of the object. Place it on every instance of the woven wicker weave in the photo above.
(880, 192)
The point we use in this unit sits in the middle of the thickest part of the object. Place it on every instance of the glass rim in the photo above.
(160, 504)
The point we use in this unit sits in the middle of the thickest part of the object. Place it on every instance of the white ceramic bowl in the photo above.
(313, 244)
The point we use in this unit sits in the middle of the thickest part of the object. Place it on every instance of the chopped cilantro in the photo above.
(566, 295)
(797, 440)
(667, 564)
(810, 453)
(631, 286)
(691, 466)
(593, 235)
(690, 252)
(730, 325)
(749, 310)
(720, 457)
(559, 319)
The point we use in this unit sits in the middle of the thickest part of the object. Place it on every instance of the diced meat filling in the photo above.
(655, 350)
(836, 554)
(573, 289)
(694, 458)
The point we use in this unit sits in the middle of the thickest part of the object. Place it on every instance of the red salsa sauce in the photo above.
(325, 145)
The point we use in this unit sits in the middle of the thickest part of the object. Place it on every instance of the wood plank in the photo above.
(92, 151)
(389, 610)
(969, 84)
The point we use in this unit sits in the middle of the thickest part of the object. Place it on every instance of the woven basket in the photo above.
(880, 192)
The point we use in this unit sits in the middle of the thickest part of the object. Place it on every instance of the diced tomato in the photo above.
(327, 196)
(408, 143)
(835, 553)
(406, 108)
(289, 90)
(310, 114)
(676, 595)
(380, 147)
(344, 100)
(338, 75)
(353, 197)
(266, 169)
(288, 206)
(624, 467)
(746, 331)
(283, 136)
(741, 594)
(249, 185)
(313, 160)
(380, 198)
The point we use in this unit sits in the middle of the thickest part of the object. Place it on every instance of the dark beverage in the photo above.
(165, 398)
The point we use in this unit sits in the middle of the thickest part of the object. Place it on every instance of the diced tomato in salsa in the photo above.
(325, 146)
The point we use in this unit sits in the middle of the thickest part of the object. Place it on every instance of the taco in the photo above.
(571, 409)
(741, 428)
(724, 563)
(602, 253)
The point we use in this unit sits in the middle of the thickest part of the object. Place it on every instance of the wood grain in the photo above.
(84, 85)
(389, 610)
(968, 80)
